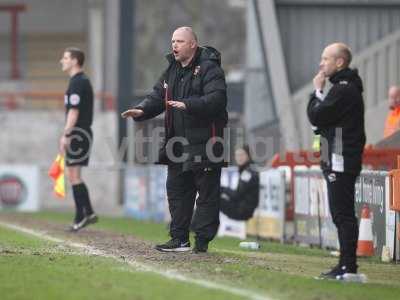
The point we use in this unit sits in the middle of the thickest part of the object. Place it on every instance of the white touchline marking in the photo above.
(171, 274)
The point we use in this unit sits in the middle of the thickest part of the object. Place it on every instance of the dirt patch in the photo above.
(124, 246)
(10, 252)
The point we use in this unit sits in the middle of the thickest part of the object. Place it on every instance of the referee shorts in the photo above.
(78, 151)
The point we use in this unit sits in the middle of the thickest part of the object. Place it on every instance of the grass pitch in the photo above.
(31, 268)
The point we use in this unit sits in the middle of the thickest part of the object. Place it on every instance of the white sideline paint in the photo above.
(138, 266)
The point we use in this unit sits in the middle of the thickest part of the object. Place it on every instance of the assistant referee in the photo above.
(77, 137)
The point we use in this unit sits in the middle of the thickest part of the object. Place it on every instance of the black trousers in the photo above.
(182, 188)
(341, 205)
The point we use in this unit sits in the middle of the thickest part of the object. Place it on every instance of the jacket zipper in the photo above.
(213, 132)
(166, 109)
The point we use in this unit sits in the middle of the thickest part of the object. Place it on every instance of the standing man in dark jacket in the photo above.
(192, 92)
(240, 203)
(339, 118)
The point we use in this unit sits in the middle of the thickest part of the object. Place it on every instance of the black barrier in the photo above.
(370, 191)
(313, 223)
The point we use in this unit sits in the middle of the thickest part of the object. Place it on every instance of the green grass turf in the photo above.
(34, 269)
(283, 271)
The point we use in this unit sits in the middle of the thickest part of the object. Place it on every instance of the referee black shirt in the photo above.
(79, 95)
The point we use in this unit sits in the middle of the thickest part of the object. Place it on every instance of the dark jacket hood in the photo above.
(203, 53)
(210, 53)
(347, 74)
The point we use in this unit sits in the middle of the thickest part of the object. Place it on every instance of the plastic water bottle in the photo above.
(249, 245)
(349, 277)
(386, 254)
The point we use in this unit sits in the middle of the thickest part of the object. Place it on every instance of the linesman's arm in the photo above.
(72, 118)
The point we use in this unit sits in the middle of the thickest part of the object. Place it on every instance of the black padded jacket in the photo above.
(340, 121)
(201, 86)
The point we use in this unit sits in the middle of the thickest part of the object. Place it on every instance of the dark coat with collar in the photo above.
(201, 86)
(340, 121)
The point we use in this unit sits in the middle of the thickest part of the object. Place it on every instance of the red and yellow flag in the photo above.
(56, 172)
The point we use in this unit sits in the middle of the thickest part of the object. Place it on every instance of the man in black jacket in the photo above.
(240, 203)
(192, 92)
(339, 118)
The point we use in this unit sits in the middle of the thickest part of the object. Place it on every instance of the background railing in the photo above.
(46, 100)
(12, 64)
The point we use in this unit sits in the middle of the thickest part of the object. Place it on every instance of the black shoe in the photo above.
(174, 245)
(200, 246)
(337, 272)
(78, 225)
(91, 219)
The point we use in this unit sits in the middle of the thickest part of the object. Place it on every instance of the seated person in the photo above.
(240, 204)
(392, 123)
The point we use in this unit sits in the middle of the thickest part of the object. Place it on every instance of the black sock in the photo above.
(83, 195)
(79, 214)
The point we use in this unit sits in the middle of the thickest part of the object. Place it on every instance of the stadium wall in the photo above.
(31, 138)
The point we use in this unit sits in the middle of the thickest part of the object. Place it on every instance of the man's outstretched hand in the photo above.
(177, 104)
(134, 113)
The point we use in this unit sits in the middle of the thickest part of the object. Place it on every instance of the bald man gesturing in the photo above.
(192, 93)
(339, 117)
